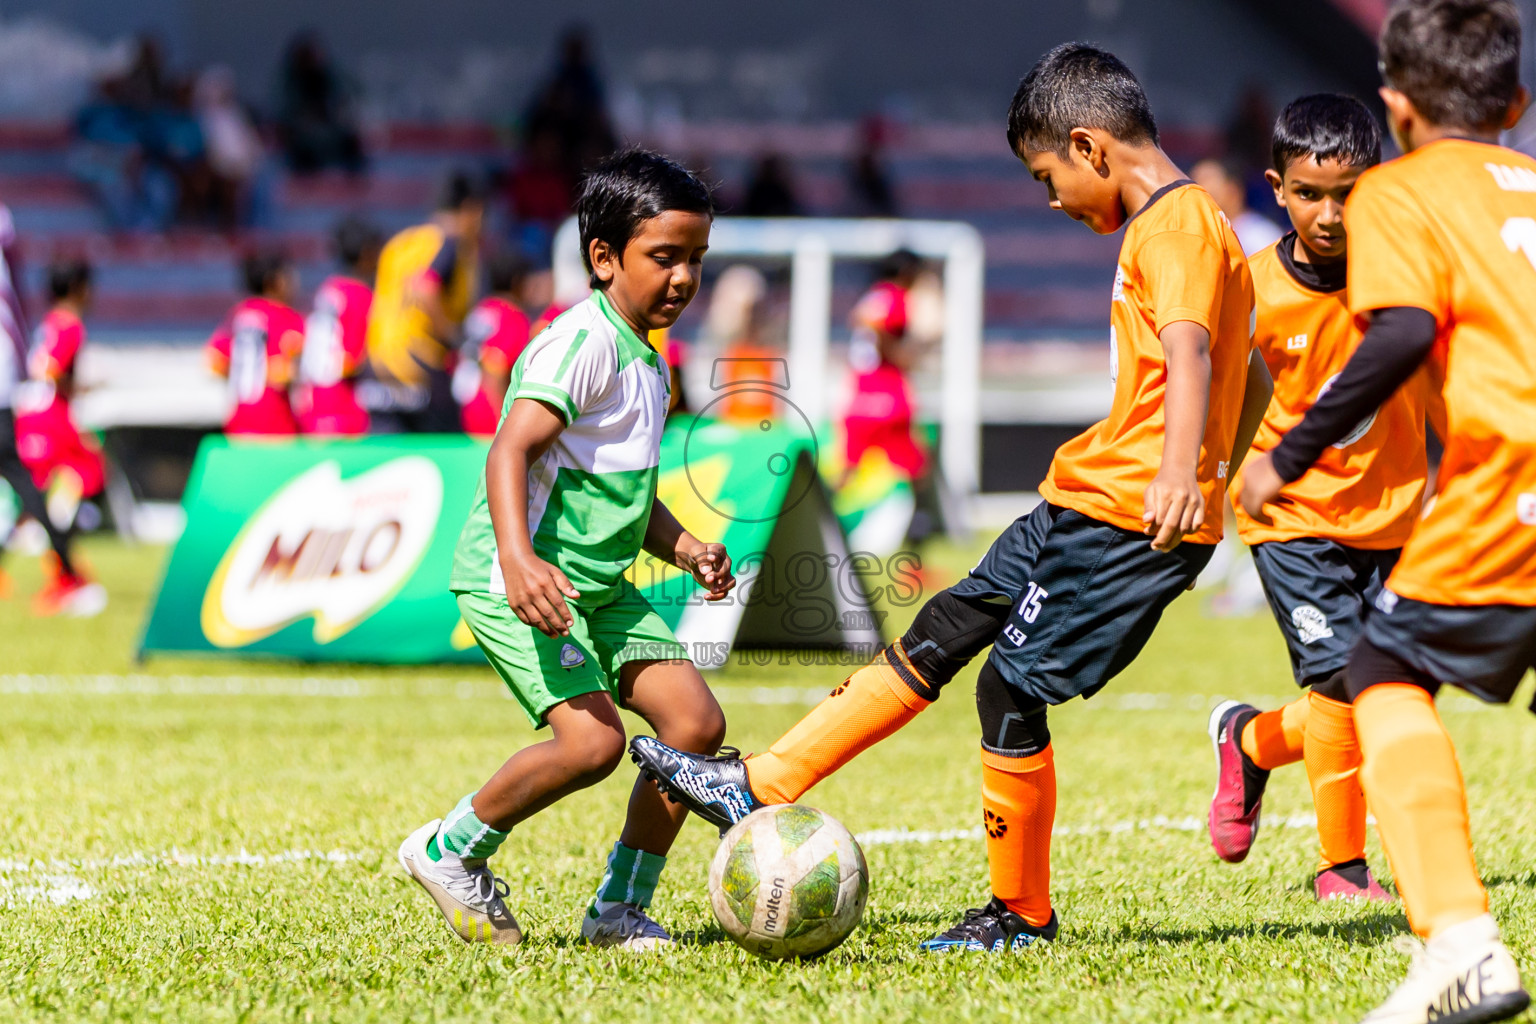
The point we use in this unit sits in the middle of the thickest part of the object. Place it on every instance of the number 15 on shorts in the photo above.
(1029, 611)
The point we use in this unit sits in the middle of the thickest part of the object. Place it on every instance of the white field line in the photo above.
(57, 881)
(358, 687)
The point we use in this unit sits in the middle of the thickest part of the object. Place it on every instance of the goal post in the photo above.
(811, 245)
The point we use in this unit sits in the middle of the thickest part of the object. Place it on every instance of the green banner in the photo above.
(340, 550)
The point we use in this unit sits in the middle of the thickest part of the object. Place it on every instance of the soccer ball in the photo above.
(788, 881)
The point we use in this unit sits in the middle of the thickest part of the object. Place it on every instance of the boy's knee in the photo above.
(701, 732)
(595, 752)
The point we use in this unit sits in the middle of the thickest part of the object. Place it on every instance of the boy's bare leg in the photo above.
(674, 699)
(586, 745)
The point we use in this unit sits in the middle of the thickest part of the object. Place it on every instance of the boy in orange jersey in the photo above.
(1444, 268)
(1337, 532)
(1071, 592)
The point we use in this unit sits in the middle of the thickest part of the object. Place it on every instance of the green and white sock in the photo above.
(464, 835)
(631, 878)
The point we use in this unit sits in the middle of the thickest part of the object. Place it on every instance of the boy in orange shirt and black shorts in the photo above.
(1072, 591)
(1335, 533)
(1444, 270)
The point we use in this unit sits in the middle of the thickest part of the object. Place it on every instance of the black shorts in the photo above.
(1085, 597)
(1483, 649)
(1321, 592)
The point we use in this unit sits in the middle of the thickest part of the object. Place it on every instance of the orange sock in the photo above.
(1414, 787)
(1273, 739)
(1018, 801)
(870, 705)
(1333, 769)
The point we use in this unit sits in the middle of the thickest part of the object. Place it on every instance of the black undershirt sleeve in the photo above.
(1396, 344)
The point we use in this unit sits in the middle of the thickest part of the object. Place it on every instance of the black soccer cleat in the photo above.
(713, 787)
(991, 929)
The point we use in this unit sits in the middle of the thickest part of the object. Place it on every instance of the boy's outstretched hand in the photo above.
(536, 593)
(1174, 507)
(709, 565)
(1261, 485)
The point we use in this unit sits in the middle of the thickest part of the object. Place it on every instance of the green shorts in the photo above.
(542, 671)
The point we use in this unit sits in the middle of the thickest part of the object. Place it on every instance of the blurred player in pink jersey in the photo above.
(255, 349)
(336, 337)
(880, 413)
(495, 334)
(66, 466)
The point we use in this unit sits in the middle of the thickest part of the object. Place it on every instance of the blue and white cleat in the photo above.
(991, 929)
(712, 786)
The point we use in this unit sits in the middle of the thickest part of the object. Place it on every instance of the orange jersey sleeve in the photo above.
(1179, 261)
(1366, 491)
(1451, 228)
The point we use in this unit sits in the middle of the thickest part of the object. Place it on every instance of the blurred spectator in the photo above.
(1249, 131)
(232, 147)
(770, 192)
(426, 283)
(572, 106)
(336, 336)
(869, 185)
(314, 114)
(136, 143)
(256, 346)
(540, 189)
(13, 349)
(495, 334)
(1224, 181)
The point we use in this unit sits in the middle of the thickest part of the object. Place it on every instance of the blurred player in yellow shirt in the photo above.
(427, 279)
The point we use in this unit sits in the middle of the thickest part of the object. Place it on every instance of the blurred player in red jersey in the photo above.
(880, 413)
(255, 349)
(64, 465)
(336, 337)
(495, 334)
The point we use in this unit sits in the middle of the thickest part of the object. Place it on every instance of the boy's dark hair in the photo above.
(1457, 61)
(67, 277)
(1326, 126)
(898, 264)
(1077, 85)
(631, 187)
(459, 189)
(504, 272)
(353, 239)
(259, 268)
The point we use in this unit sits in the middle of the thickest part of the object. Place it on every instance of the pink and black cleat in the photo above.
(1351, 880)
(1234, 817)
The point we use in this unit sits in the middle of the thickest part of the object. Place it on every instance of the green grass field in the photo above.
(214, 841)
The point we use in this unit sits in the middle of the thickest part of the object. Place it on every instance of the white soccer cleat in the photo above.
(624, 926)
(469, 896)
(1464, 975)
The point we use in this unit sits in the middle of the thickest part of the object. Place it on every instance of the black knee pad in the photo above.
(1334, 687)
(1012, 724)
(948, 632)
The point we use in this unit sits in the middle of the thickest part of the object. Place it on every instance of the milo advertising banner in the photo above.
(340, 551)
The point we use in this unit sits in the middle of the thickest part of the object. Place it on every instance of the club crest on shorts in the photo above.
(570, 657)
(1310, 623)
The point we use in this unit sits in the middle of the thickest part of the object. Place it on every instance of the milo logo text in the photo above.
(323, 547)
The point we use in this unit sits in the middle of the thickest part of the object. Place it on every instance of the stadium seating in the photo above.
(1046, 276)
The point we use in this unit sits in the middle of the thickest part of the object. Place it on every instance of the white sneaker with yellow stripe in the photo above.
(466, 892)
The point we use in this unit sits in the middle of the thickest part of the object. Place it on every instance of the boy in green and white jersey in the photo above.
(567, 502)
